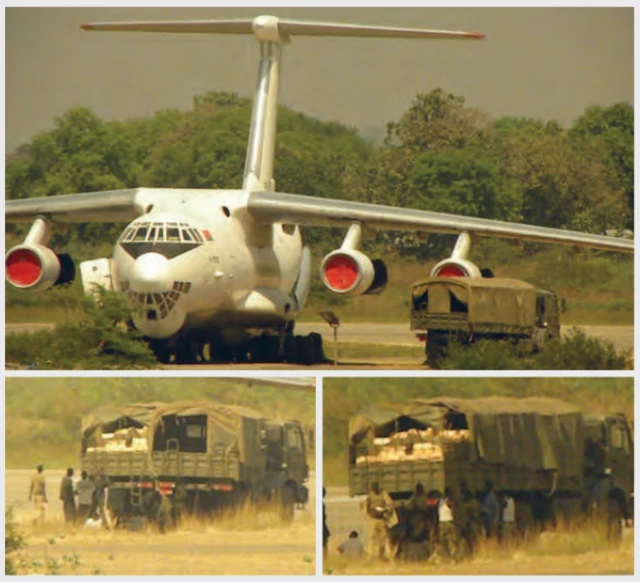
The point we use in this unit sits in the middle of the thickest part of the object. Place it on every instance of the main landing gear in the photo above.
(284, 348)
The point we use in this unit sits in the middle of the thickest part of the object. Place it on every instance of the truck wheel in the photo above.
(614, 521)
(435, 349)
(287, 503)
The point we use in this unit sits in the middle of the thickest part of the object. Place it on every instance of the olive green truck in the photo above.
(221, 455)
(551, 457)
(471, 309)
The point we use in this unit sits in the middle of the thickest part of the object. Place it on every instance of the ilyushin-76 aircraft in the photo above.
(227, 268)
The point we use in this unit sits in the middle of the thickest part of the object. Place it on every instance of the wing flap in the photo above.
(305, 210)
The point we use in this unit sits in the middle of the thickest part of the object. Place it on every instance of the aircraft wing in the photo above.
(305, 210)
(101, 206)
(120, 206)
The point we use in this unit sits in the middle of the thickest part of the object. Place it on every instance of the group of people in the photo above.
(83, 501)
(445, 525)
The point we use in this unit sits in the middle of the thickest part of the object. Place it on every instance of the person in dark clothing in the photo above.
(67, 496)
(101, 484)
(491, 509)
(179, 503)
(469, 520)
(325, 529)
(84, 490)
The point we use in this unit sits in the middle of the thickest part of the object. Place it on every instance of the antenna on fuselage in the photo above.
(272, 33)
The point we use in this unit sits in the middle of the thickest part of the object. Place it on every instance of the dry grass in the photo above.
(564, 551)
(197, 548)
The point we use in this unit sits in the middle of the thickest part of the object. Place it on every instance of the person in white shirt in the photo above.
(447, 536)
(351, 547)
(508, 518)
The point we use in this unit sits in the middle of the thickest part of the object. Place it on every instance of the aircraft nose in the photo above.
(150, 273)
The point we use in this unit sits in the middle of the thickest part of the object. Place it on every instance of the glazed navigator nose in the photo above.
(150, 273)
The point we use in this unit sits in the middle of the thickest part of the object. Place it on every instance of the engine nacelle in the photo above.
(35, 267)
(456, 268)
(352, 273)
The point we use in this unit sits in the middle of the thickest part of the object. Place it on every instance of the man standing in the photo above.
(418, 508)
(491, 509)
(67, 496)
(469, 520)
(101, 483)
(38, 493)
(447, 537)
(508, 518)
(179, 503)
(164, 513)
(325, 528)
(379, 508)
(84, 490)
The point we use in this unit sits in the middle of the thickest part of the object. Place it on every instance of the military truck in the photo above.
(551, 457)
(220, 455)
(471, 309)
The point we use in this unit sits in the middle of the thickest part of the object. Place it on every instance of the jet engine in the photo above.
(456, 268)
(34, 267)
(352, 273)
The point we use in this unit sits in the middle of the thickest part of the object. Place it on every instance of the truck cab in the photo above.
(286, 457)
(609, 459)
(547, 313)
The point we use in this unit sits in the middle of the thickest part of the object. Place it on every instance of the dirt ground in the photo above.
(266, 546)
(555, 553)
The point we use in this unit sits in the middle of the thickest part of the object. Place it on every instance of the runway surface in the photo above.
(392, 334)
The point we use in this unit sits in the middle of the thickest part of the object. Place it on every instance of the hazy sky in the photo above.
(536, 62)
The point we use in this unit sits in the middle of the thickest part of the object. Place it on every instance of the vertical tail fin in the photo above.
(272, 33)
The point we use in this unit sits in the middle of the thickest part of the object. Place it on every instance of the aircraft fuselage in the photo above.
(205, 265)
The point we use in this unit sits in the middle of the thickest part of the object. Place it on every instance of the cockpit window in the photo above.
(173, 233)
(140, 234)
(162, 233)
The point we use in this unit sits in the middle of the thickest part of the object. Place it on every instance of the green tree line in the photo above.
(44, 415)
(441, 155)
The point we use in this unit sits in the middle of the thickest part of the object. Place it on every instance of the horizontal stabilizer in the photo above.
(271, 28)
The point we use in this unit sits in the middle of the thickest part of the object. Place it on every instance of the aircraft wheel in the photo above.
(220, 353)
(162, 352)
(318, 351)
(291, 349)
(187, 351)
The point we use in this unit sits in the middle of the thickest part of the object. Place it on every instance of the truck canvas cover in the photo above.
(484, 300)
(531, 433)
(227, 426)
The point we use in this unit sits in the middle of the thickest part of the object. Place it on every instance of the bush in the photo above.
(13, 541)
(575, 351)
(101, 341)
(483, 355)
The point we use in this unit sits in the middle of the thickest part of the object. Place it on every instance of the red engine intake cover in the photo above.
(341, 272)
(23, 267)
(451, 271)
